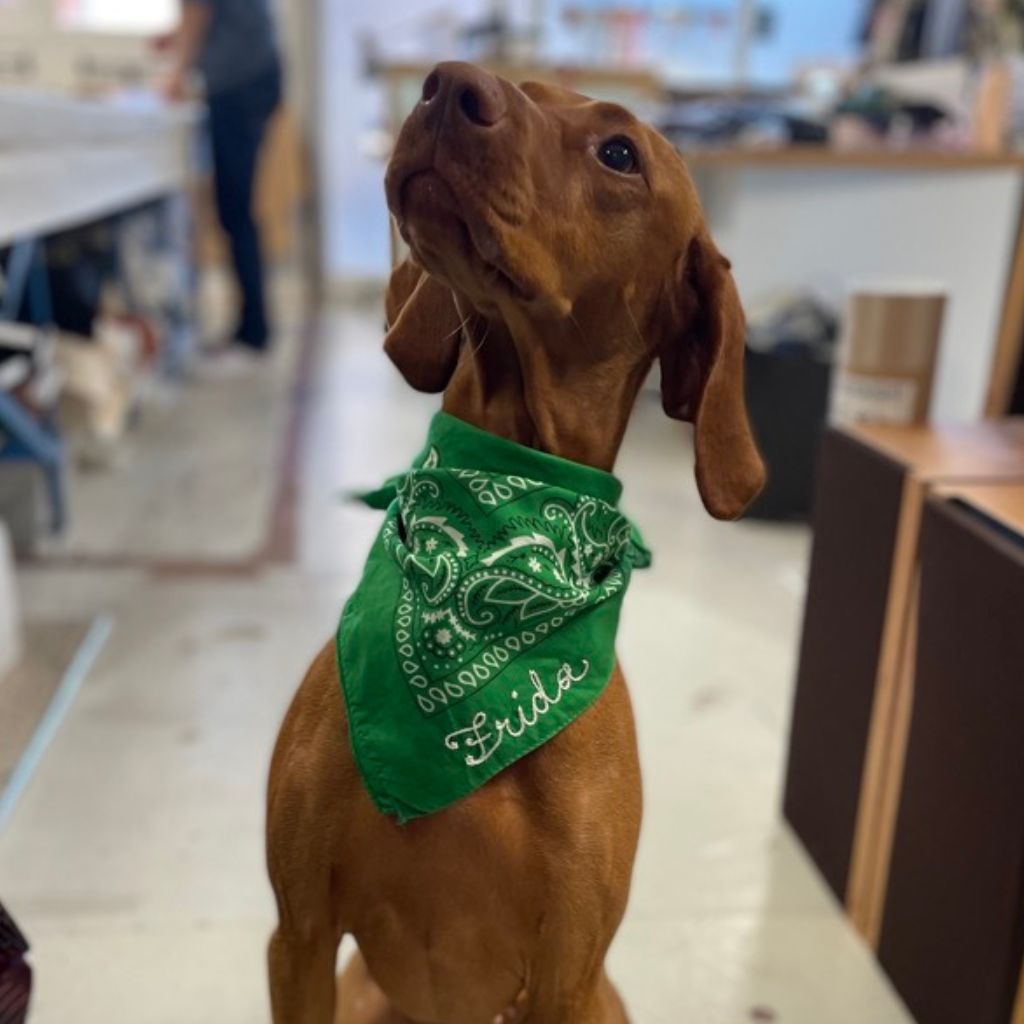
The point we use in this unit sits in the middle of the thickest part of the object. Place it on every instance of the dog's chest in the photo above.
(494, 907)
(537, 861)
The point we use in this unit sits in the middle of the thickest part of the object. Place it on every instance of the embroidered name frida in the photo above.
(485, 744)
(497, 568)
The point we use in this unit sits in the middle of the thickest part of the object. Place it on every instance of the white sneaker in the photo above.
(231, 362)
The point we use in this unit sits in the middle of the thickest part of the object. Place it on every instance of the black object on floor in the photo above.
(15, 974)
(787, 397)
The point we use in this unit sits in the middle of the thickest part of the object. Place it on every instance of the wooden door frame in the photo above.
(1006, 360)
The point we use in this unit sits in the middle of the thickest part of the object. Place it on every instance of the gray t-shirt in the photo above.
(240, 46)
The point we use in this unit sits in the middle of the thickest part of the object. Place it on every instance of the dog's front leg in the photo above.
(304, 949)
(302, 984)
(305, 802)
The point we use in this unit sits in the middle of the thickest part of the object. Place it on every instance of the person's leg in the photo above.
(238, 121)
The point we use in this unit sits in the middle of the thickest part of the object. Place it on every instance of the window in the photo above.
(128, 17)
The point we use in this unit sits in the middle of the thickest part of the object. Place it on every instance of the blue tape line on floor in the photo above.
(74, 676)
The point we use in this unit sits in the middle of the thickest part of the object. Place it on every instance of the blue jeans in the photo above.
(238, 122)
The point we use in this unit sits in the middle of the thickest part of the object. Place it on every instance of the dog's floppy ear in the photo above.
(702, 380)
(423, 328)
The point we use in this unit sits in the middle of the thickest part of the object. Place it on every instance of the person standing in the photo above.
(233, 44)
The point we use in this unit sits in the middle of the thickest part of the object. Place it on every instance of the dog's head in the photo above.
(559, 249)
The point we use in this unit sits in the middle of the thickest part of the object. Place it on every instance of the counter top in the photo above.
(1003, 503)
(66, 161)
(988, 451)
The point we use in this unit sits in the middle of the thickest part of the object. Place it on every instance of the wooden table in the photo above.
(1001, 503)
(68, 162)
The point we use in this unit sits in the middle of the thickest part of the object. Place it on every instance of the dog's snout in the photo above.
(465, 92)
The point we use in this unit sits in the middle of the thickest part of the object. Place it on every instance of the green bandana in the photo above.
(485, 619)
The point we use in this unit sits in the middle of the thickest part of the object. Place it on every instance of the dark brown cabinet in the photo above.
(905, 779)
(952, 936)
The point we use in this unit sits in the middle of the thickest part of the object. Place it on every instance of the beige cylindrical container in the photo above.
(888, 354)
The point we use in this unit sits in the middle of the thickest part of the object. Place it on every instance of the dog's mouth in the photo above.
(500, 277)
(436, 226)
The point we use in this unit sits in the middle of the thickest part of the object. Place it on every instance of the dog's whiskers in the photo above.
(480, 343)
(632, 320)
(451, 334)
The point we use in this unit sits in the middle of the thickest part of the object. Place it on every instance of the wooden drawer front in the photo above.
(952, 934)
(857, 508)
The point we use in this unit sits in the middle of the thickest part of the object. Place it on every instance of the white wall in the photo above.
(356, 239)
(66, 59)
(62, 59)
(785, 228)
(355, 218)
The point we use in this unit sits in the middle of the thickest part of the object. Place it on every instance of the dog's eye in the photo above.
(619, 155)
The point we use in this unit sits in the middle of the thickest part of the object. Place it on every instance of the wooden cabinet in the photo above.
(952, 931)
(854, 699)
(857, 511)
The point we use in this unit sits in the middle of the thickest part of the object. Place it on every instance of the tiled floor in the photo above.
(196, 481)
(135, 858)
(29, 689)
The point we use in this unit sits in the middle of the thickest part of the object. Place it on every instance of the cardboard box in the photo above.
(888, 355)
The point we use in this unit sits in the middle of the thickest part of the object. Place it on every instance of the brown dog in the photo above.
(559, 251)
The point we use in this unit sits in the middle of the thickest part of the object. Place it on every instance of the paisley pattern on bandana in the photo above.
(477, 593)
(477, 617)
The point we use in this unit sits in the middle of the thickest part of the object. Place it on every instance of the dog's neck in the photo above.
(552, 386)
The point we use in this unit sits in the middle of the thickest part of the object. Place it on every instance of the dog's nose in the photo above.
(466, 92)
